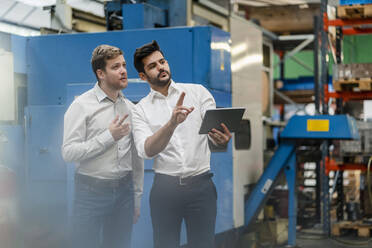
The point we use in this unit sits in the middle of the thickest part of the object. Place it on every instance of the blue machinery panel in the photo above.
(299, 127)
(321, 127)
(136, 16)
(150, 13)
(53, 61)
(44, 130)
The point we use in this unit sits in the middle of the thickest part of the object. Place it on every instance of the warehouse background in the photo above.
(277, 59)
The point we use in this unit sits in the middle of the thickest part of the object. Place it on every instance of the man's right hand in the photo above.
(180, 112)
(117, 129)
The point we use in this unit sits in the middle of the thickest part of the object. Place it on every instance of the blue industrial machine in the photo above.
(145, 14)
(299, 128)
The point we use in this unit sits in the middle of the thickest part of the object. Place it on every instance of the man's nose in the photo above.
(160, 66)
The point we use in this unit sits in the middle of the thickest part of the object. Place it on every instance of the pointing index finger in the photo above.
(180, 100)
(116, 119)
(122, 120)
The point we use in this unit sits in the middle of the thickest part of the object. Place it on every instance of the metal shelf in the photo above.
(343, 27)
(348, 26)
(346, 95)
(331, 165)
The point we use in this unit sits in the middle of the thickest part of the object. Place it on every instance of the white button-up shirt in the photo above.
(187, 153)
(88, 141)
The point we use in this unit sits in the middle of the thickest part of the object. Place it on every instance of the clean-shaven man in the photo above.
(109, 173)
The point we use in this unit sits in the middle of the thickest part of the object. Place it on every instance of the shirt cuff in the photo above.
(106, 138)
(142, 152)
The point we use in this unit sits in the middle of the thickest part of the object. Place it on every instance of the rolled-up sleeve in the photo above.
(75, 148)
(141, 130)
(206, 100)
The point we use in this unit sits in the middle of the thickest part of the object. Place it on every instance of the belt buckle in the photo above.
(180, 181)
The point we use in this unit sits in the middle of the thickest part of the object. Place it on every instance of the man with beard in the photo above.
(109, 173)
(166, 130)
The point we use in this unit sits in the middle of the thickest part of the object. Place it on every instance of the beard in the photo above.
(160, 82)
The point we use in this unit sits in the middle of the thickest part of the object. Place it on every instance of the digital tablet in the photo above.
(213, 118)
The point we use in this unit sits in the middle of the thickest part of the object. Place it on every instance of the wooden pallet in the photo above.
(355, 11)
(363, 229)
(359, 84)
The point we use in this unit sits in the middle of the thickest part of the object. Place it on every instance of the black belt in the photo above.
(102, 183)
(184, 180)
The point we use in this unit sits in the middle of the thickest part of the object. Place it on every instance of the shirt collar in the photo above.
(101, 95)
(173, 87)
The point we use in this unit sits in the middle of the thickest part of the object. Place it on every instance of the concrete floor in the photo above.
(316, 242)
(313, 238)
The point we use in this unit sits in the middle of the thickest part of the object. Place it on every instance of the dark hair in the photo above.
(144, 51)
(101, 54)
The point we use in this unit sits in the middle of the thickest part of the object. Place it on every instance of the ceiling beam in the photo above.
(251, 3)
(32, 10)
(8, 10)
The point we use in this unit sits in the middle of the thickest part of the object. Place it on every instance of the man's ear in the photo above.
(142, 76)
(100, 74)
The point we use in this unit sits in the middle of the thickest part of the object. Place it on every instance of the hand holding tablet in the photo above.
(213, 118)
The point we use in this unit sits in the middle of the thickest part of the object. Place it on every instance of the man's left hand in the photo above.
(220, 138)
(137, 213)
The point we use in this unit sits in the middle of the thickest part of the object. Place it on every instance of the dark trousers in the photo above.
(103, 214)
(194, 201)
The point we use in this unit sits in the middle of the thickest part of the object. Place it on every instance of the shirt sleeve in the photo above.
(138, 173)
(75, 147)
(141, 131)
(206, 100)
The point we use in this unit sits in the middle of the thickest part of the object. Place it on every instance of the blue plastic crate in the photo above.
(350, 2)
(301, 83)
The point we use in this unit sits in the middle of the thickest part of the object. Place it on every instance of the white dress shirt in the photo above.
(187, 153)
(88, 141)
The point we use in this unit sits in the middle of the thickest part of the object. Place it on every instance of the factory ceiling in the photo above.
(26, 17)
(263, 3)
